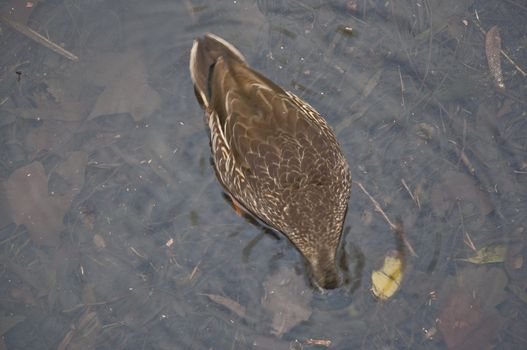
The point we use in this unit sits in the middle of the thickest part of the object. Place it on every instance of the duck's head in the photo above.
(314, 226)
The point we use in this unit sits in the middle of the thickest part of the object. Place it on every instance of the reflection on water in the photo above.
(114, 230)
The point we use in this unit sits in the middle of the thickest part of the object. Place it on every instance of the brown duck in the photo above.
(273, 153)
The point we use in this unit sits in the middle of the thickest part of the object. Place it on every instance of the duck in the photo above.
(275, 155)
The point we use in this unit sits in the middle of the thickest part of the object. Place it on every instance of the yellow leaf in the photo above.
(488, 255)
(387, 280)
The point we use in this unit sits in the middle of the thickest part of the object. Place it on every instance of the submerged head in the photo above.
(316, 232)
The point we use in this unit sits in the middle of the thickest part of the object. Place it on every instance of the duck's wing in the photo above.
(254, 115)
(265, 127)
(267, 143)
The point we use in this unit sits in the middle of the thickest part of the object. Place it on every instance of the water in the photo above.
(115, 233)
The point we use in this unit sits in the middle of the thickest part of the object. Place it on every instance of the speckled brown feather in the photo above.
(274, 154)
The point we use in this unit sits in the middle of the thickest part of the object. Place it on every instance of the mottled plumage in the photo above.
(273, 153)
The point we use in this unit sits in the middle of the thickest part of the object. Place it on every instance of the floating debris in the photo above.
(319, 342)
(386, 281)
(488, 255)
(345, 30)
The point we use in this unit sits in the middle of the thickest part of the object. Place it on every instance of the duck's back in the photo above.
(273, 152)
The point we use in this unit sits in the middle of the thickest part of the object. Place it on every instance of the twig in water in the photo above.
(513, 63)
(466, 161)
(402, 85)
(466, 236)
(395, 228)
(33, 35)
(416, 200)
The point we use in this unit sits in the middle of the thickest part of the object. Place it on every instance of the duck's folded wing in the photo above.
(267, 132)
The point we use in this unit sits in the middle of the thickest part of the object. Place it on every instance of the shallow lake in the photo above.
(115, 233)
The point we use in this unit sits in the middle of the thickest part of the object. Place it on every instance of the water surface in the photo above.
(115, 233)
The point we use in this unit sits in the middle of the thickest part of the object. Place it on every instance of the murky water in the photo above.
(115, 233)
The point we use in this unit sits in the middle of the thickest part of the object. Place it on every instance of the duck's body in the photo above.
(273, 153)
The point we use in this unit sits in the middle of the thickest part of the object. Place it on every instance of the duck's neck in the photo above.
(325, 271)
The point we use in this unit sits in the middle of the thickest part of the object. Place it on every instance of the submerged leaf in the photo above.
(266, 342)
(83, 334)
(488, 255)
(465, 325)
(8, 322)
(519, 292)
(32, 206)
(72, 169)
(287, 299)
(386, 281)
(454, 186)
(492, 49)
(126, 87)
(372, 83)
(469, 318)
(52, 135)
(487, 284)
(228, 303)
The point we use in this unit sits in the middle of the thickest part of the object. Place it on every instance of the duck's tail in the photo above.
(204, 54)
